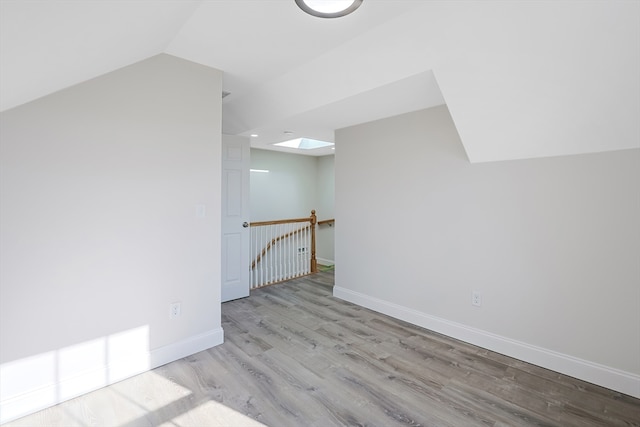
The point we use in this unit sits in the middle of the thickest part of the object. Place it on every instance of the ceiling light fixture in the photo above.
(328, 8)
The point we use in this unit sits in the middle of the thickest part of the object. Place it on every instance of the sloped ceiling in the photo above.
(521, 79)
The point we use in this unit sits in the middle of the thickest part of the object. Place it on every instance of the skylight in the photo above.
(304, 144)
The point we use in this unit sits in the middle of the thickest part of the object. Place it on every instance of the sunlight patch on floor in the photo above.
(212, 414)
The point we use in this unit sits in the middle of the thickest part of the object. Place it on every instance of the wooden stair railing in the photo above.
(274, 273)
(274, 241)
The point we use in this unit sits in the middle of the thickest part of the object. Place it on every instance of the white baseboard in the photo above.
(187, 347)
(30, 385)
(324, 261)
(614, 379)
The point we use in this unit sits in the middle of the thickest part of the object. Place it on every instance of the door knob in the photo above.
(245, 224)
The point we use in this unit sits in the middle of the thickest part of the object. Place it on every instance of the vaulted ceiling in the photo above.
(521, 79)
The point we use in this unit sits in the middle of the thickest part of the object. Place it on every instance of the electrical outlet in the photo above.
(476, 298)
(174, 310)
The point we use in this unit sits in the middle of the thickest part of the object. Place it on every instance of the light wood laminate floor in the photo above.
(295, 356)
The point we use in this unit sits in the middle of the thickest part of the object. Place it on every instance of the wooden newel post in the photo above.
(314, 263)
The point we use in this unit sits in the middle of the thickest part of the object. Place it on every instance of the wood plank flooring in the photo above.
(296, 356)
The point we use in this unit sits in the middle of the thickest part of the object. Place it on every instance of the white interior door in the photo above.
(235, 217)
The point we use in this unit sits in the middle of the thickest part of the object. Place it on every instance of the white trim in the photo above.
(323, 261)
(187, 347)
(49, 393)
(605, 376)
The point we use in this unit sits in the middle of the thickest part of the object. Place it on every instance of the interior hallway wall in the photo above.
(294, 185)
(288, 190)
(326, 201)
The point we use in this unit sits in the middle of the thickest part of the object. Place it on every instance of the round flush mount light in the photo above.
(328, 8)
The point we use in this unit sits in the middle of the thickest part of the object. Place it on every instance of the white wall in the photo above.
(294, 186)
(99, 232)
(287, 191)
(325, 207)
(552, 244)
